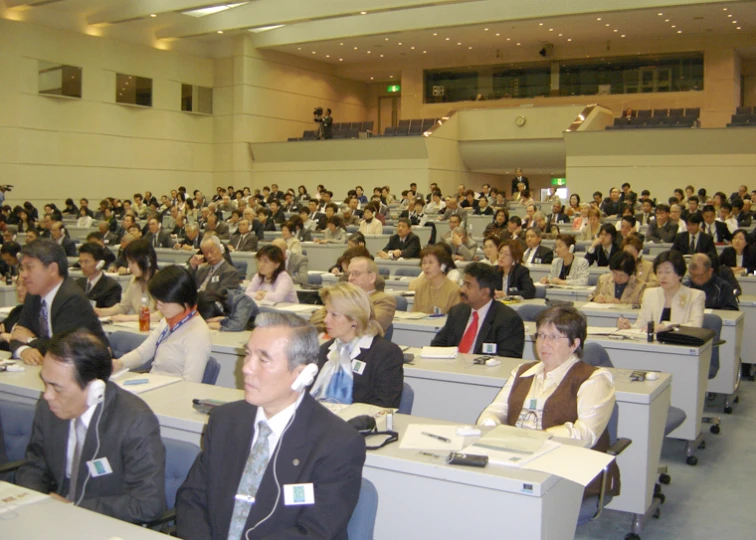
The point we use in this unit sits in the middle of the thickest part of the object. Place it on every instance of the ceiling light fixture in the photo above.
(386, 39)
(459, 43)
(674, 26)
(391, 76)
(341, 59)
(569, 39)
(607, 24)
(399, 43)
(679, 31)
(598, 18)
(412, 48)
(660, 14)
(497, 35)
(370, 52)
(435, 33)
(381, 56)
(666, 20)
(734, 22)
(551, 29)
(738, 28)
(220, 31)
(485, 29)
(519, 44)
(447, 39)
(560, 35)
(313, 52)
(623, 35)
(425, 52)
(730, 15)
(540, 24)
(202, 12)
(363, 12)
(153, 15)
(328, 56)
(299, 48)
(469, 48)
(371, 78)
(266, 28)
(355, 48)
(341, 44)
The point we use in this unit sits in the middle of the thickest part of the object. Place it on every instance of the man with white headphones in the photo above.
(93, 444)
(277, 464)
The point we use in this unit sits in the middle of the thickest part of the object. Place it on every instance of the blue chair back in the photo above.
(407, 401)
(592, 279)
(241, 267)
(411, 271)
(385, 271)
(529, 312)
(362, 523)
(125, 342)
(389, 332)
(540, 292)
(675, 418)
(315, 279)
(16, 421)
(387, 229)
(212, 370)
(401, 303)
(713, 322)
(595, 354)
(179, 458)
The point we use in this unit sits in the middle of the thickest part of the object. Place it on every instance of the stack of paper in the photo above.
(439, 352)
(409, 315)
(512, 446)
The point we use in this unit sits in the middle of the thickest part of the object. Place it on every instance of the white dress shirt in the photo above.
(86, 418)
(595, 402)
(94, 281)
(48, 299)
(277, 424)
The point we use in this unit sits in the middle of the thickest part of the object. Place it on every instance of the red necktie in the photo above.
(468, 340)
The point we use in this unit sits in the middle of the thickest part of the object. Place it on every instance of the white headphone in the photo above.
(305, 378)
(96, 392)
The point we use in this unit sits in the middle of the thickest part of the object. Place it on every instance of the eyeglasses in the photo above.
(548, 337)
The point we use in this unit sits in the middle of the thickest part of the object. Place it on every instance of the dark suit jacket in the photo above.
(227, 277)
(611, 208)
(106, 293)
(665, 233)
(520, 282)
(721, 231)
(543, 255)
(279, 217)
(129, 438)
(382, 380)
(249, 244)
(70, 310)
(558, 218)
(194, 243)
(515, 181)
(69, 246)
(502, 326)
(727, 258)
(318, 448)
(705, 245)
(410, 248)
(599, 256)
(163, 239)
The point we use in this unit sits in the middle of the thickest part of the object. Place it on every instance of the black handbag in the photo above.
(689, 336)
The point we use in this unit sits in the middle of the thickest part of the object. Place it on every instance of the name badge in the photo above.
(489, 348)
(537, 260)
(215, 279)
(358, 366)
(99, 467)
(298, 494)
(533, 404)
(436, 310)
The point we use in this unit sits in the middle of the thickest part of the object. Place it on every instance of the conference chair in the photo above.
(314, 278)
(212, 370)
(384, 271)
(362, 523)
(713, 322)
(540, 292)
(410, 272)
(179, 458)
(124, 342)
(592, 280)
(389, 332)
(16, 420)
(241, 267)
(529, 312)
(407, 401)
(401, 303)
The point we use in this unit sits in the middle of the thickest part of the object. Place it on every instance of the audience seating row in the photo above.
(744, 116)
(340, 130)
(658, 118)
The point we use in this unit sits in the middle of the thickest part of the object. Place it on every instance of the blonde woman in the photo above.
(358, 365)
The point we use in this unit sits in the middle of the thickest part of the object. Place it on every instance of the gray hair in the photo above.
(539, 215)
(699, 260)
(212, 239)
(191, 227)
(303, 345)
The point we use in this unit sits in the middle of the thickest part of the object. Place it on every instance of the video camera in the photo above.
(318, 111)
(6, 187)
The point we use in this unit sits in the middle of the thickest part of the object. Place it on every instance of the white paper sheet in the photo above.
(511, 458)
(596, 305)
(413, 438)
(153, 381)
(439, 352)
(410, 315)
(571, 462)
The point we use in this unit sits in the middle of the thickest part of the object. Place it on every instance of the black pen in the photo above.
(438, 437)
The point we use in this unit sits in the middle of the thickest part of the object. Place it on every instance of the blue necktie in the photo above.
(254, 470)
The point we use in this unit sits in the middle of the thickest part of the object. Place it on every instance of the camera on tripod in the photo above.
(317, 113)
(6, 187)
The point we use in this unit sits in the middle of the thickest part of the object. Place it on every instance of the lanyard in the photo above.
(167, 330)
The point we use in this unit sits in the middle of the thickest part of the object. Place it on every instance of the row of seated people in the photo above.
(657, 118)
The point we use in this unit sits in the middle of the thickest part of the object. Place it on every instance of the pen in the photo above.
(132, 382)
(437, 437)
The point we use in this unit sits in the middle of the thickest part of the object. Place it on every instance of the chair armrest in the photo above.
(719, 342)
(619, 446)
(11, 466)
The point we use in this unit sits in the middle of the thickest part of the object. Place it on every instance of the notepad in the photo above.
(439, 352)
(409, 315)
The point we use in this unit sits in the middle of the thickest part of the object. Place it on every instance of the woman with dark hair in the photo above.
(334, 233)
(31, 211)
(301, 233)
(272, 283)
(24, 222)
(142, 261)
(180, 344)
(582, 394)
(52, 211)
(621, 285)
(356, 240)
(741, 256)
(302, 196)
(573, 208)
(515, 278)
(293, 245)
(671, 302)
(567, 268)
(498, 225)
(70, 209)
(435, 293)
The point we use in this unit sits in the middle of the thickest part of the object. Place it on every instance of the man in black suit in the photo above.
(611, 206)
(662, 229)
(53, 303)
(103, 290)
(718, 230)
(217, 274)
(480, 325)
(157, 237)
(719, 292)
(517, 179)
(535, 253)
(404, 244)
(604, 247)
(276, 213)
(646, 215)
(317, 458)
(557, 214)
(628, 196)
(192, 238)
(315, 215)
(83, 420)
(695, 241)
(693, 208)
(58, 234)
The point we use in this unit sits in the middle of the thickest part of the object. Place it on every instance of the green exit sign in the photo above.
(558, 181)
(393, 88)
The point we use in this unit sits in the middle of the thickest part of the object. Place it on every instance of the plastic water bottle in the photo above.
(144, 316)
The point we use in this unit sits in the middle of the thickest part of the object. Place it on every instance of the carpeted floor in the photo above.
(715, 498)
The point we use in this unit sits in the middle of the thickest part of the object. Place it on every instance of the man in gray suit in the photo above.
(220, 227)
(157, 237)
(244, 239)
(93, 443)
(217, 274)
(296, 264)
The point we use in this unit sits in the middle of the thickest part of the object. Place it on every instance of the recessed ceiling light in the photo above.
(386, 39)
(435, 33)
(220, 31)
(391, 76)
(497, 35)
(738, 28)
(355, 48)
(674, 26)
(459, 43)
(569, 39)
(518, 44)
(730, 15)
(540, 24)
(724, 9)
(551, 29)
(426, 52)
(328, 56)
(447, 39)
(363, 12)
(598, 18)
(313, 52)
(371, 78)
(607, 24)
(679, 31)
(734, 22)
(381, 56)
(507, 38)
(616, 30)
(369, 52)
(341, 44)
(299, 48)
(485, 29)
(341, 59)
(153, 15)
(660, 14)
(666, 20)
(469, 48)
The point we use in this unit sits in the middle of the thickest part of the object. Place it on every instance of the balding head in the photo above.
(281, 244)
(699, 269)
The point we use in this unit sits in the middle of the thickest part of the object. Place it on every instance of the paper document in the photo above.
(153, 381)
(300, 308)
(438, 352)
(601, 330)
(580, 465)
(410, 315)
(596, 305)
(429, 437)
(11, 495)
(513, 446)
(509, 456)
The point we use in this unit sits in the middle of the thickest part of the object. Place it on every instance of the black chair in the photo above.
(744, 110)
(529, 312)
(660, 113)
(389, 332)
(416, 129)
(404, 123)
(367, 126)
(675, 112)
(407, 401)
(693, 111)
(644, 113)
(389, 131)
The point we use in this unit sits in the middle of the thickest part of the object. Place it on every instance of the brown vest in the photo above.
(560, 408)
